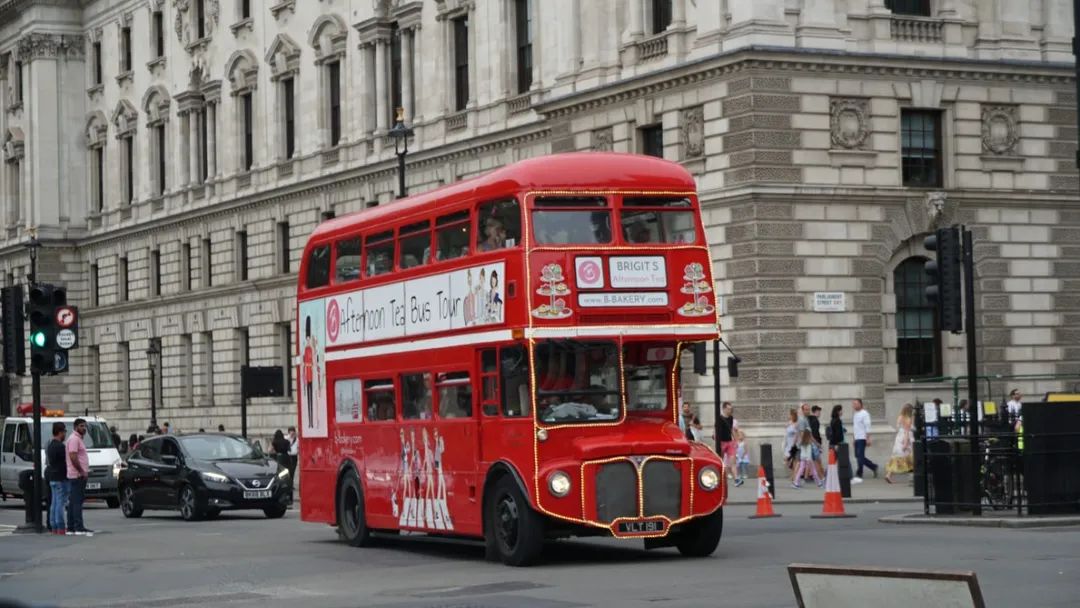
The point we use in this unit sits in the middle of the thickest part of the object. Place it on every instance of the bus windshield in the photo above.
(577, 381)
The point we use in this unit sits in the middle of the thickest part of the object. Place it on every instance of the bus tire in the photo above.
(513, 530)
(352, 526)
(700, 537)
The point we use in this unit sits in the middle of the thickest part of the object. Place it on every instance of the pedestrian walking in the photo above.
(815, 432)
(726, 427)
(742, 456)
(56, 475)
(165, 430)
(294, 453)
(834, 433)
(861, 428)
(806, 460)
(279, 448)
(1015, 407)
(803, 425)
(115, 437)
(790, 449)
(686, 416)
(902, 460)
(697, 432)
(78, 470)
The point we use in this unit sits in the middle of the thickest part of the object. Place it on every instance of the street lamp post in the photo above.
(152, 354)
(401, 135)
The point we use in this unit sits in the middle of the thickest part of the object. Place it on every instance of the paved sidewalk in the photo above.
(985, 521)
(871, 490)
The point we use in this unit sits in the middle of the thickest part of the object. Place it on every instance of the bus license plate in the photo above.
(256, 494)
(641, 527)
(93, 486)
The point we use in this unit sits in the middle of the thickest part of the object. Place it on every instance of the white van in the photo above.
(17, 454)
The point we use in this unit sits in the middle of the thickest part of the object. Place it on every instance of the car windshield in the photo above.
(97, 435)
(219, 447)
(577, 381)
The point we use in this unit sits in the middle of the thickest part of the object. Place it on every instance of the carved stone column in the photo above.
(185, 147)
(407, 38)
(382, 115)
(193, 148)
(211, 136)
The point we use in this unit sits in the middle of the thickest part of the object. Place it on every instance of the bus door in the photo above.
(505, 404)
(381, 453)
(455, 445)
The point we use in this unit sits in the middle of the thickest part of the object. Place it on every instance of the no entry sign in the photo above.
(65, 316)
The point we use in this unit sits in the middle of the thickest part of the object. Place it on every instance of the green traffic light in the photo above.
(38, 339)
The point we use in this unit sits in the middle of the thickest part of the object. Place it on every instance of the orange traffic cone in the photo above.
(834, 503)
(764, 499)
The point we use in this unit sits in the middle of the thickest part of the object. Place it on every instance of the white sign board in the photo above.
(65, 338)
(841, 587)
(622, 298)
(829, 301)
(452, 300)
(639, 271)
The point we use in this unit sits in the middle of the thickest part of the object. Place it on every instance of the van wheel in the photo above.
(128, 506)
(189, 505)
(700, 537)
(513, 529)
(352, 526)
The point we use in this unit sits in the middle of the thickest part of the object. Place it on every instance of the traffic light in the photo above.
(944, 288)
(45, 356)
(11, 307)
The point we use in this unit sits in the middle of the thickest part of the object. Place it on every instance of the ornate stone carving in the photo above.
(50, 46)
(692, 127)
(603, 140)
(850, 122)
(125, 118)
(283, 56)
(14, 145)
(935, 206)
(184, 20)
(999, 129)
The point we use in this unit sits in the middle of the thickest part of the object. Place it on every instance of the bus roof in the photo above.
(572, 171)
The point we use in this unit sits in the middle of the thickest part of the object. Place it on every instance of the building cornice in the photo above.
(813, 61)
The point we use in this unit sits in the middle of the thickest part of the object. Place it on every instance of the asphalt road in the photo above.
(244, 560)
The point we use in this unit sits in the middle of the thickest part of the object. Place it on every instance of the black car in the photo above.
(201, 475)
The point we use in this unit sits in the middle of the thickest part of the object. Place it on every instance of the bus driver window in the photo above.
(499, 225)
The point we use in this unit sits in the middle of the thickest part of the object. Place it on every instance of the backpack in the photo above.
(828, 434)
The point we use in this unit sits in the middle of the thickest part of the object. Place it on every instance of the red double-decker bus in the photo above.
(499, 358)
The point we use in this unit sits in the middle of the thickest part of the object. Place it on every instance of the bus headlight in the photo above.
(559, 484)
(709, 478)
(542, 434)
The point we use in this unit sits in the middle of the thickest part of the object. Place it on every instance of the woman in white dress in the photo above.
(902, 460)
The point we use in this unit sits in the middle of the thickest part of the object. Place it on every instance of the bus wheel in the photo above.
(350, 512)
(516, 531)
(700, 537)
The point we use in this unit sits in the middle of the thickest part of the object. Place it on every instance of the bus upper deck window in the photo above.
(318, 268)
(572, 221)
(347, 263)
(655, 219)
(379, 253)
(452, 236)
(415, 244)
(499, 225)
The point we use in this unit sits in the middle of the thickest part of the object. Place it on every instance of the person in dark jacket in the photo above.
(835, 432)
(56, 475)
(279, 447)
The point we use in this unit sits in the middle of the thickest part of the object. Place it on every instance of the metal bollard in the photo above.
(766, 463)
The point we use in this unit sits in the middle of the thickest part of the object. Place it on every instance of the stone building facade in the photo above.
(173, 155)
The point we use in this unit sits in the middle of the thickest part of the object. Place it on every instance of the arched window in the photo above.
(918, 341)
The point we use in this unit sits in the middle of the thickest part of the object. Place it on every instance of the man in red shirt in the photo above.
(78, 470)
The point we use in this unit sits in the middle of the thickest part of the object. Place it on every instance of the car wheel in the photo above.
(517, 532)
(352, 525)
(276, 512)
(112, 501)
(189, 505)
(128, 505)
(700, 537)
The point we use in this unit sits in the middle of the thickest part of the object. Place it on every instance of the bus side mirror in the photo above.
(700, 366)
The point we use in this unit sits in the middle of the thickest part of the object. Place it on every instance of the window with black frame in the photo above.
(415, 244)
(577, 381)
(657, 219)
(915, 8)
(452, 236)
(347, 262)
(918, 341)
(921, 153)
(318, 269)
(572, 221)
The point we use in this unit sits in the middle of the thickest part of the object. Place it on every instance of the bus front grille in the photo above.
(662, 484)
(616, 491)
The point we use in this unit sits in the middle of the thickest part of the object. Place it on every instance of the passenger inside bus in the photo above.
(500, 225)
(495, 235)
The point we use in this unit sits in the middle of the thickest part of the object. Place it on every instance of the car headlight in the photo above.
(283, 474)
(559, 484)
(215, 477)
(709, 478)
(117, 466)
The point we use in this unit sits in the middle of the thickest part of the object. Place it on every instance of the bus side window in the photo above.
(318, 268)
(379, 253)
(415, 244)
(347, 262)
(416, 396)
(516, 397)
(452, 236)
(498, 225)
(379, 396)
(455, 395)
(489, 382)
